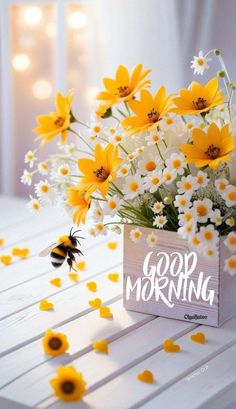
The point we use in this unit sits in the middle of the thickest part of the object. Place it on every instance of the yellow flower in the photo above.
(100, 171)
(149, 111)
(57, 122)
(210, 148)
(103, 110)
(198, 98)
(54, 343)
(76, 199)
(69, 384)
(124, 86)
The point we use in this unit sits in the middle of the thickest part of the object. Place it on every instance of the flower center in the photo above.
(123, 91)
(200, 61)
(208, 235)
(59, 121)
(150, 166)
(212, 151)
(232, 240)
(153, 115)
(200, 103)
(232, 263)
(133, 186)
(68, 387)
(201, 210)
(112, 205)
(232, 196)
(55, 343)
(44, 188)
(101, 174)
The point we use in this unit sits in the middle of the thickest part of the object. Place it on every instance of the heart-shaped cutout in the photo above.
(112, 245)
(92, 286)
(74, 277)
(146, 376)
(46, 305)
(169, 346)
(96, 303)
(6, 260)
(56, 281)
(101, 346)
(199, 337)
(81, 265)
(114, 277)
(105, 312)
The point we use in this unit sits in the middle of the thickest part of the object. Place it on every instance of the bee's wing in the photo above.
(48, 250)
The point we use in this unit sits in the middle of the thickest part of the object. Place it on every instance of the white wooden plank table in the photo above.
(199, 376)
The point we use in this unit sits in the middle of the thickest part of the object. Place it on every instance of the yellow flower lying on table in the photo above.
(148, 111)
(99, 172)
(124, 86)
(6, 259)
(76, 199)
(69, 385)
(55, 123)
(210, 148)
(54, 343)
(198, 98)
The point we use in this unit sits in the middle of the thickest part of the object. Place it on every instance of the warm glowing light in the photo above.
(21, 62)
(42, 89)
(33, 15)
(91, 93)
(50, 30)
(77, 20)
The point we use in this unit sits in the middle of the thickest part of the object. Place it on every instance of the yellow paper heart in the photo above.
(22, 253)
(101, 346)
(169, 346)
(81, 265)
(6, 260)
(114, 277)
(96, 303)
(199, 337)
(105, 312)
(2, 242)
(74, 277)
(56, 281)
(46, 305)
(146, 376)
(112, 245)
(92, 286)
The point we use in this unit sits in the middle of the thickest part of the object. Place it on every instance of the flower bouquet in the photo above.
(162, 165)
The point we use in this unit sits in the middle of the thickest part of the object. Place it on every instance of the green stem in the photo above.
(121, 112)
(158, 149)
(127, 107)
(82, 139)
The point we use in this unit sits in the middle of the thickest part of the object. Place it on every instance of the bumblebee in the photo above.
(64, 249)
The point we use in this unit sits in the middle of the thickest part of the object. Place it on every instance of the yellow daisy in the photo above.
(54, 343)
(210, 148)
(125, 85)
(100, 171)
(55, 123)
(69, 384)
(198, 98)
(148, 111)
(76, 199)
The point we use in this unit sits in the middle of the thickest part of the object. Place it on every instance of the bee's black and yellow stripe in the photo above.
(58, 255)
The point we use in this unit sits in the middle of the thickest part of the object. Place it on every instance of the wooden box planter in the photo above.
(159, 280)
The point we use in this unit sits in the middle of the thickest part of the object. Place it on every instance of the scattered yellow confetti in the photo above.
(2, 242)
(54, 343)
(6, 259)
(69, 385)
(199, 337)
(146, 376)
(74, 277)
(105, 312)
(81, 265)
(22, 253)
(114, 277)
(45, 305)
(112, 245)
(169, 346)
(96, 303)
(101, 346)
(56, 281)
(92, 286)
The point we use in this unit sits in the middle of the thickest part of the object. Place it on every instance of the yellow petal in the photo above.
(122, 76)
(101, 346)
(56, 282)
(46, 305)
(114, 277)
(74, 277)
(92, 286)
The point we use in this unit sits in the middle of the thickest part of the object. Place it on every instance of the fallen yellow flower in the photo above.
(69, 385)
(54, 343)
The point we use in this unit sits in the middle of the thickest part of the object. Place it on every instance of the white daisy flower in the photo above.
(44, 190)
(187, 184)
(148, 163)
(63, 171)
(160, 221)
(230, 241)
(187, 230)
(202, 179)
(221, 184)
(230, 265)
(92, 232)
(30, 158)
(208, 234)
(98, 213)
(203, 209)
(43, 168)
(200, 63)
(96, 128)
(132, 156)
(133, 186)
(112, 131)
(153, 138)
(100, 229)
(169, 176)
(135, 235)
(153, 181)
(112, 205)
(116, 229)
(140, 150)
(116, 138)
(229, 195)
(182, 202)
(189, 215)
(216, 217)
(230, 221)
(176, 162)
(34, 205)
(27, 177)
(195, 241)
(152, 239)
(123, 170)
(158, 207)
(70, 148)
(168, 122)
(211, 252)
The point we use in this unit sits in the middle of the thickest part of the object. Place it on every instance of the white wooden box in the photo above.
(205, 295)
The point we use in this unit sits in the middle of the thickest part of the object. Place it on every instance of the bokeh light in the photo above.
(42, 89)
(33, 15)
(77, 20)
(21, 62)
